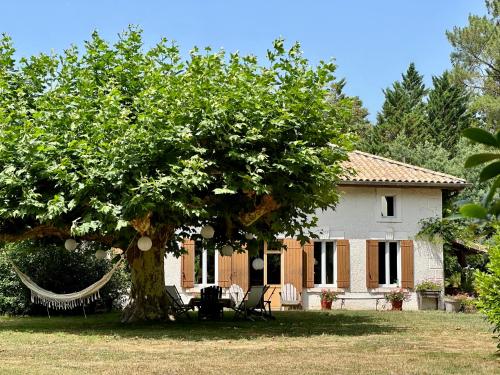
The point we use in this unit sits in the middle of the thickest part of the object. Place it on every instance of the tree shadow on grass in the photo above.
(287, 324)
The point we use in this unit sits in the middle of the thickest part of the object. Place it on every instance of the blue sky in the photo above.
(372, 41)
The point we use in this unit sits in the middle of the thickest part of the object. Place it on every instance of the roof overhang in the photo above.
(450, 186)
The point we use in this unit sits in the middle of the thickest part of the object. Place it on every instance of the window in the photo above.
(325, 258)
(274, 269)
(205, 266)
(388, 263)
(273, 263)
(388, 206)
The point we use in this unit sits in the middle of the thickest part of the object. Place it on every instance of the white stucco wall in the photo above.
(357, 218)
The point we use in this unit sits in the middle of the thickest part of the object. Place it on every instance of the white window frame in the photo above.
(204, 274)
(389, 192)
(387, 265)
(383, 205)
(323, 264)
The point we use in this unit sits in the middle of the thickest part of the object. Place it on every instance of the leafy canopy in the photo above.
(476, 61)
(490, 160)
(91, 140)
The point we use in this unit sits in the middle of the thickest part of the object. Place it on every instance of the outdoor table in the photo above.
(196, 302)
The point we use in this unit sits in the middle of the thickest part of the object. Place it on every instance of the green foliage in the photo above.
(476, 62)
(448, 112)
(473, 210)
(408, 113)
(95, 138)
(449, 231)
(328, 295)
(403, 112)
(454, 280)
(54, 268)
(488, 287)
(491, 171)
(398, 294)
(428, 285)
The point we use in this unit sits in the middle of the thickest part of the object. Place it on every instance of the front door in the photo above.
(265, 268)
(273, 273)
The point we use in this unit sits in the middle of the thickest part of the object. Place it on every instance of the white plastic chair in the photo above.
(290, 297)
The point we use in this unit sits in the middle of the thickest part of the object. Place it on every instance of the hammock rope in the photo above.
(69, 300)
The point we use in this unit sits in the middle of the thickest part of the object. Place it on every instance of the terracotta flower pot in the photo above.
(397, 305)
(326, 305)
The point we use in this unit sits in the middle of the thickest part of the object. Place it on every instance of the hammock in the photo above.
(69, 300)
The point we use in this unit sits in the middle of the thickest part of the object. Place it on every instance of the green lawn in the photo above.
(343, 342)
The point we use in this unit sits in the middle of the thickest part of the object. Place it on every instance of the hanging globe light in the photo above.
(249, 236)
(207, 232)
(144, 243)
(116, 251)
(227, 250)
(70, 244)
(258, 264)
(100, 254)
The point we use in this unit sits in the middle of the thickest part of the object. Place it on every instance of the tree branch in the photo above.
(50, 231)
(266, 205)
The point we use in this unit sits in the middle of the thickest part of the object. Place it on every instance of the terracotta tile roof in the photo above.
(376, 170)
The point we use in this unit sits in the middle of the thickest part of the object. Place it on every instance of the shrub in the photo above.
(467, 303)
(428, 285)
(488, 288)
(54, 268)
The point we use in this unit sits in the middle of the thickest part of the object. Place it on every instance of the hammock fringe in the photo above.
(65, 301)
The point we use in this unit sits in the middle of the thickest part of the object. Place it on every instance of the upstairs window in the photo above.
(388, 206)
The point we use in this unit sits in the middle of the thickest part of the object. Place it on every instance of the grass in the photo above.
(340, 342)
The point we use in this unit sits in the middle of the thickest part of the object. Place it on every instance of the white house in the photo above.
(367, 245)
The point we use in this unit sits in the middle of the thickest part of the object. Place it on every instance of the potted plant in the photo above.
(428, 287)
(396, 298)
(460, 302)
(327, 298)
(452, 303)
(428, 293)
(469, 304)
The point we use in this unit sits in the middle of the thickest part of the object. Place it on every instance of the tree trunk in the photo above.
(148, 298)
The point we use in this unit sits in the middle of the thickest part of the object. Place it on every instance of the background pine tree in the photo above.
(447, 111)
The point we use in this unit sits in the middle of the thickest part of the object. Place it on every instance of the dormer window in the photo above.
(388, 206)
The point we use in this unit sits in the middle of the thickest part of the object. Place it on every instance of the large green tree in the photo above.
(448, 111)
(476, 62)
(403, 112)
(115, 141)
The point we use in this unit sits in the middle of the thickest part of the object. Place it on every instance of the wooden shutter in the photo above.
(239, 270)
(187, 265)
(224, 269)
(308, 265)
(343, 264)
(407, 266)
(292, 263)
(371, 264)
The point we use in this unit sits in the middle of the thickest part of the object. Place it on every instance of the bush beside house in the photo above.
(54, 268)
